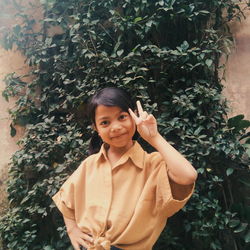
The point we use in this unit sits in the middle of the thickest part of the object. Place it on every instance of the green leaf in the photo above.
(48, 20)
(233, 223)
(117, 63)
(201, 170)
(248, 152)
(12, 130)
(149, 23)
(234, 121)
(67, 81)
(209, 62)
(229, 171)
(137, 19)
(204, 12)
(238, 123)
(120, 52)
(17, 29)
(247, 237)
(161, 3)
(241, 228)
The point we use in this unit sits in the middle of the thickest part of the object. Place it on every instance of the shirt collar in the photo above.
(135, 153)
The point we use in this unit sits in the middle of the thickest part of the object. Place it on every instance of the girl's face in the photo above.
(115, 126)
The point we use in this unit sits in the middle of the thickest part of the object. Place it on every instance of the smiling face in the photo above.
(115, 126)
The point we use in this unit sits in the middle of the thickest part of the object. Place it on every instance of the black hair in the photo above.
(110, 97)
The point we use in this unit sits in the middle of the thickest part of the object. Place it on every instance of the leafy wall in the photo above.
(166, 53)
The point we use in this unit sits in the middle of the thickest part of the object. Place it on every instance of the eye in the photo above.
(123, 116)
(104, 123)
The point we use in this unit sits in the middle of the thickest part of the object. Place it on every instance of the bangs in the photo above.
(110, 97)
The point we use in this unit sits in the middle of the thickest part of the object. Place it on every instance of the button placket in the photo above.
(107, 176)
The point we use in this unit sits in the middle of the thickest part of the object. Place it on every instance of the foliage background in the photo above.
(166, 53)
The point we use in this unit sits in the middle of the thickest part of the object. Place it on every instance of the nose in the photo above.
(115, 127)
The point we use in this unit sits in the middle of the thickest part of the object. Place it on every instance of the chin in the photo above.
(122, 144)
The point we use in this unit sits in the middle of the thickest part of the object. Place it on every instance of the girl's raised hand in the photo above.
(146, 123)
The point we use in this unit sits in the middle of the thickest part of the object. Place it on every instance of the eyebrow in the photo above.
(103, 118)
(108, 117)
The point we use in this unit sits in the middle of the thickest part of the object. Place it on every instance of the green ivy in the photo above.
(166, 53)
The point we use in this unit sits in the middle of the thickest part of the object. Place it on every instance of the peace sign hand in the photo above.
(146, 123)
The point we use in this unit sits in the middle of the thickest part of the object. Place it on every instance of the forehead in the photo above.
(106, 111)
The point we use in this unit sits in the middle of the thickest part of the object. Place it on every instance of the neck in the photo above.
(117, 152)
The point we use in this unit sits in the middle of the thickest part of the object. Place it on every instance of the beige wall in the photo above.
(237, 77)
(13, 61)
(10, 61)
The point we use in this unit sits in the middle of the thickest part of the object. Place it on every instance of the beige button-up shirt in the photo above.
(126, 206)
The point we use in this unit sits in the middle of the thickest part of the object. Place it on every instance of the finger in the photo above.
(136, 119)
(139, 107)
(87, 237)
(76, 246)
(150, 117)
(144, 115)
(83, 243)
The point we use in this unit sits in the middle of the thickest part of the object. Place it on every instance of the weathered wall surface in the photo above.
(237, 77)
(10, 61)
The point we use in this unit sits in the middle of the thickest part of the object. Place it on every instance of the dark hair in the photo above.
(110, 96)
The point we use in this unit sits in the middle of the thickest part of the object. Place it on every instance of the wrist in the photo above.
(70, 225)
(156, 140)
(70, 229)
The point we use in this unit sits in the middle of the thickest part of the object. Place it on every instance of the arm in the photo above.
(77, 237)
(180, 169)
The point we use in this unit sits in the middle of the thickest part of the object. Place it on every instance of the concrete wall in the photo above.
(10, 61)
(237, 77)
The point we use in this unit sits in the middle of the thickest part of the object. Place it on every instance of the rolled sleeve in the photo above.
(66, 198)
(172, 196)
(64, 206)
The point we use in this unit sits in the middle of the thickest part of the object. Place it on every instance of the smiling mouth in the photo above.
(117, 136)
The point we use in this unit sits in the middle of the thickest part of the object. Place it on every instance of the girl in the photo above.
(121, 196)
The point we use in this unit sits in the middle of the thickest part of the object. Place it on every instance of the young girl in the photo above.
(121, 196)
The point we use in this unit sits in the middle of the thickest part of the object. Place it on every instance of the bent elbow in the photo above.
(192, 177)
(186, 178)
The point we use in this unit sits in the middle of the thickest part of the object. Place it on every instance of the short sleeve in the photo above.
(171, 196)
(65, 197)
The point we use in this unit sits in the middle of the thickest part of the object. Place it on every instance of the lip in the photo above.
(117, 136)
